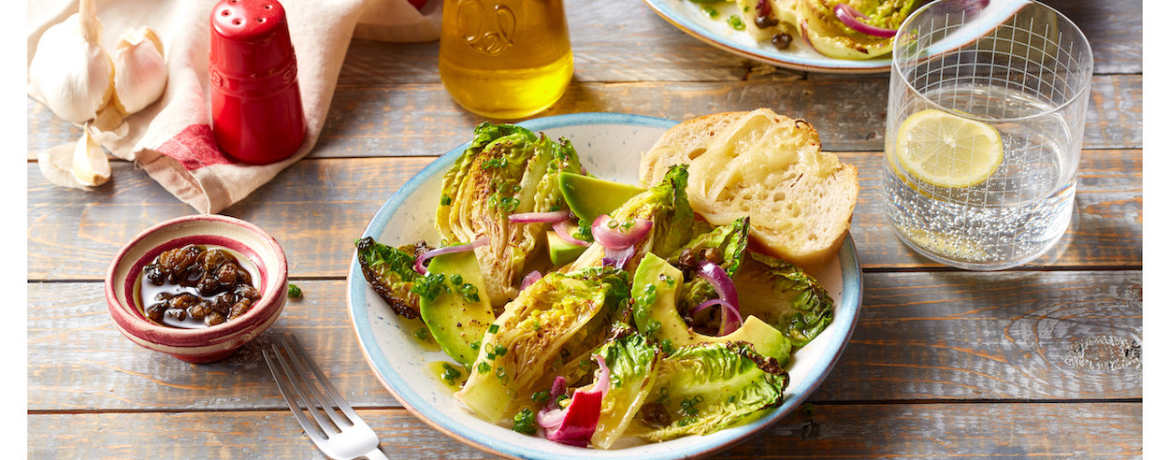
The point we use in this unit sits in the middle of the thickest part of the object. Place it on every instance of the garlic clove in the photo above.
(90, 165)
(71, 73)
(56, 165)
(140, 72)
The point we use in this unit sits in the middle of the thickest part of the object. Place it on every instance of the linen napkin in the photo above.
(172, 139)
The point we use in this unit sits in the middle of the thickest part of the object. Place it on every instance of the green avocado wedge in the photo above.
(656, 291)
(458, 317)
(561, 252)
(589, 197)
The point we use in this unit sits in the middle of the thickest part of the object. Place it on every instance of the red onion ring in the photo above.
(418, 263)
(725, 326)
(603, 379)
(551, 419)
(618, 258)
(614, 238)
(804, 34)
(562, 229)
(722, 283)
(552, 415)
(529, 279)
(558, 389)
(764, 8)
(848, 15)
(539, 217)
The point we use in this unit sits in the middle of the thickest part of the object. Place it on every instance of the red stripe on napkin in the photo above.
(195, 147)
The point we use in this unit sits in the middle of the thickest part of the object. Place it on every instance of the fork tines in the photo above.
(300, 391)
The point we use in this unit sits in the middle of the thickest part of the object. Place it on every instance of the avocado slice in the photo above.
(455, 321)
(562, 252)
(656, 289)
(589, 197)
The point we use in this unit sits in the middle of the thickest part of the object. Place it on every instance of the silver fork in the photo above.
(343, 436)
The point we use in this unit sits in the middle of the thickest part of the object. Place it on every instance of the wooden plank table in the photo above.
(1043, 361)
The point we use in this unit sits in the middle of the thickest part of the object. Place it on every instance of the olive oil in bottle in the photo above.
(505, 59)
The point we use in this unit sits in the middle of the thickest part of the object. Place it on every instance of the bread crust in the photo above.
(690, 139)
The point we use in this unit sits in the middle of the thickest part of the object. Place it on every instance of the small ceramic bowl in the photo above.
(211, 343)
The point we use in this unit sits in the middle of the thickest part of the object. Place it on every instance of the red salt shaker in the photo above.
(255, 102)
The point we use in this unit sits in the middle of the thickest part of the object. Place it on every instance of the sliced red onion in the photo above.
(603, 379)
(551, 419)
(539, 217)
(764, 8)
(418, 263)
(558, 389)
(579, 422)
(848, 15)
(552, 415)
(804, 34)
(562, 229)
(722, 283)
(529, 279)
(613, 237)
(618, 258)
(731, 317)
(575, 424)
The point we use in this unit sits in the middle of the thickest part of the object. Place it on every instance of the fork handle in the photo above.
(376, 454)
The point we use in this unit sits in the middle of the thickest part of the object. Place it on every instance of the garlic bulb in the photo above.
(90, 165)
(71, 73)
(140, 73)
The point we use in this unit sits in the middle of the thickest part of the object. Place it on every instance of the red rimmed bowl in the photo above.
(211, 343)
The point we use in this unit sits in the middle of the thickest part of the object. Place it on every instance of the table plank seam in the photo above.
(814, 403)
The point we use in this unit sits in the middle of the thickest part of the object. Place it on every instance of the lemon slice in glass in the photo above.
(945, 150)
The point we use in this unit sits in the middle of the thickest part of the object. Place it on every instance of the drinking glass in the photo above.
(1014, 66)
(505, 59)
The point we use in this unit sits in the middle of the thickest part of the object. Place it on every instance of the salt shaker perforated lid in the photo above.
(256, 107)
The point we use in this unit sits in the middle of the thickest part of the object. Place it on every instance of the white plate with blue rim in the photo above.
(609, 146)
(692, 19)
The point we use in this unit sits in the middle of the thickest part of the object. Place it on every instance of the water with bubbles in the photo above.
(1014, 216)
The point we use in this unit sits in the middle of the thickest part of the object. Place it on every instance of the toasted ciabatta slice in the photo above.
(768, 167)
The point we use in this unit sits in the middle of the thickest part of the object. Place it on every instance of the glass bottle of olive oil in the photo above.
(505, 59)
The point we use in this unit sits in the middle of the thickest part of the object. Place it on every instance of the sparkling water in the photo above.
(1014, 216)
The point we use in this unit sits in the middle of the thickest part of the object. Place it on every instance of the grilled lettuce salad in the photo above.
(585, 311)
(842, 29)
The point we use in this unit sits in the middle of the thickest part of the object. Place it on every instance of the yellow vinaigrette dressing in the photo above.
(452, 376)
(505, 58)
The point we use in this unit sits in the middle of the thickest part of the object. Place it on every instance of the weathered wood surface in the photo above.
(317, 207)
(921, 336)
(626, 41)
(926, 431)
(623, 42)
(421, 119)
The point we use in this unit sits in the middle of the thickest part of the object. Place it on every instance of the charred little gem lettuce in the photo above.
(665, 205)
(704, 388)
(390, 271)
(558, 312)
(506, 170)
(785, 297)
(725, 245)
(821, 26)
(632, 360)
(657, 291)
